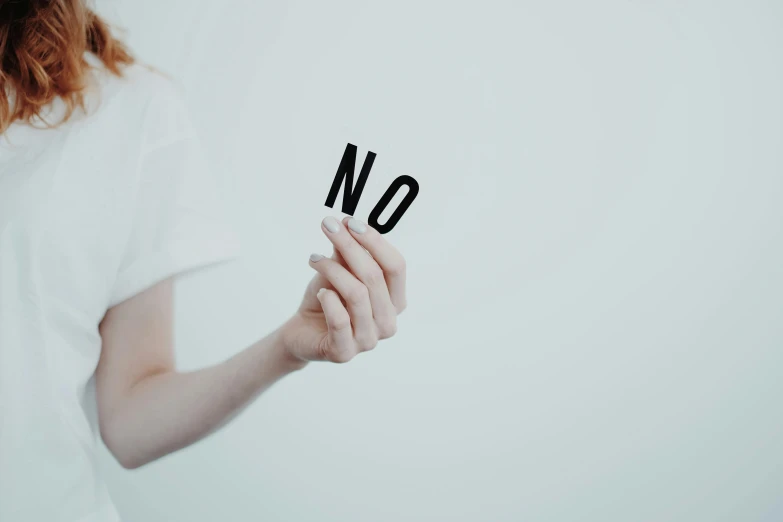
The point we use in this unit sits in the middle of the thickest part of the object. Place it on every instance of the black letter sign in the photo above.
(386, 199)
(352, 193)
(345, 171)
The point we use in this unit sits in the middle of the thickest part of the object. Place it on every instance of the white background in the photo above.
(595, 326)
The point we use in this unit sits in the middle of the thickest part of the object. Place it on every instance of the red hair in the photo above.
(42, 47)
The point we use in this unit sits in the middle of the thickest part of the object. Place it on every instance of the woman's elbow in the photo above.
(121, 451)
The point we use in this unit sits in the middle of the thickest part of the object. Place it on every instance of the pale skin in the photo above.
(147, 409)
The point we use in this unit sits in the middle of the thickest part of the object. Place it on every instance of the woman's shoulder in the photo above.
(145, 98)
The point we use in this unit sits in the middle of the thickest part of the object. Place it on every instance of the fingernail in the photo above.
(316, 257)
(321, 291)
(357, 226)
(331, 224)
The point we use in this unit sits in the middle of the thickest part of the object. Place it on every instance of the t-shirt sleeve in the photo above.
(178, 221)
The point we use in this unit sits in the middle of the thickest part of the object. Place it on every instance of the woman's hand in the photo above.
(354, 299)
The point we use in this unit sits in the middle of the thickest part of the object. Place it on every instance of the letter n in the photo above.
(345, 171)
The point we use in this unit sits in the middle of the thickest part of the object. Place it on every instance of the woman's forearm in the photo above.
(165, 412)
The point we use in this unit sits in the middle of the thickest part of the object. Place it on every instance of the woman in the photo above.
(103, 201)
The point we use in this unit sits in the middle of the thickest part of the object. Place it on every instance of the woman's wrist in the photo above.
(279, 346)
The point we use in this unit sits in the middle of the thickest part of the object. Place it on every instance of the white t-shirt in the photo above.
(91, 213)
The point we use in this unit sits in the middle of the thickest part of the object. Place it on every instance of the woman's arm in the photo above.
(147, 409)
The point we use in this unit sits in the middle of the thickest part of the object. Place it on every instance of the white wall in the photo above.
(594, 330)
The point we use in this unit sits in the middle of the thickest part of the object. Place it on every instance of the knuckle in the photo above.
(368, 344)
(342, 356)
(357, 295)
(398, 267)
(387, 328)
(374, 276)
(340, 323)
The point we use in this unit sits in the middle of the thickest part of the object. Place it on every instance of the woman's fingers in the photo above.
(367, 270)
(367, 275)
(341, 346)
(356, 297)
(385, 255)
